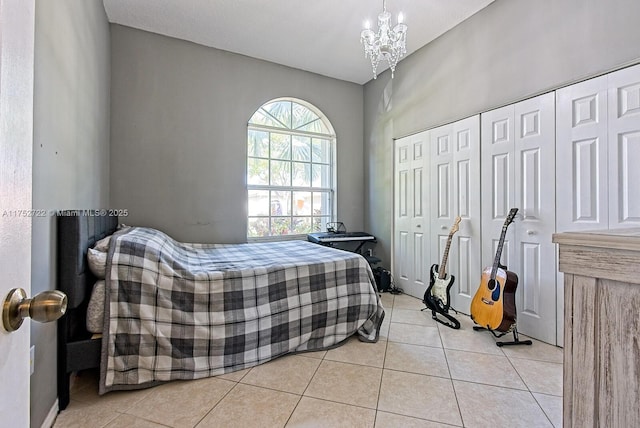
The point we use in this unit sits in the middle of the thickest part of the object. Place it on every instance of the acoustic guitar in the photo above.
(437, 296)
(494, 304)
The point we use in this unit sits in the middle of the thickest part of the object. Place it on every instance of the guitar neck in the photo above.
(442, 272)
(496, 260)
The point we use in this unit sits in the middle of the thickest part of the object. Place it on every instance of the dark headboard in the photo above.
(78, 231)
(77, 350)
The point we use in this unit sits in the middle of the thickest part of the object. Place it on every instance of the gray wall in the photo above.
(179, 114)
(510, 51)
(70, 152)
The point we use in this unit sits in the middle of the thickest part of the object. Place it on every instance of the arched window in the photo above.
(290, 170)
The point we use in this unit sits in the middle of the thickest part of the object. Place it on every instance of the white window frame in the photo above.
(332, 189)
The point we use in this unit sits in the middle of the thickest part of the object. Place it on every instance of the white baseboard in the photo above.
(51, 417)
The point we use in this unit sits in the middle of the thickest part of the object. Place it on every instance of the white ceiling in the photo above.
(321, 36)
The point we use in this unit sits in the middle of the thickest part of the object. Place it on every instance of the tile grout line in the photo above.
(455, 394)
(420, 374)
(530, 392)
(220, 400)
(542, 408)
(384, 362)
(529, 389)
(305, 389)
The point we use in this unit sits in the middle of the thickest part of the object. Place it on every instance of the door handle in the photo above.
(43, 307)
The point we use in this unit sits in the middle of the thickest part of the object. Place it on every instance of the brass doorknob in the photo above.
(43, 307)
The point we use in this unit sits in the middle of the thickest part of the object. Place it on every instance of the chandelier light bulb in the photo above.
(387, 43)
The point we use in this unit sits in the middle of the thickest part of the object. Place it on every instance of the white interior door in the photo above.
(465, 260)
(597, 153)
(17, 20)
(411, 201)
(518, 165)
(624, 147)
(441, 213)
(455, 191)
(420, 250)
(581, 156)
(581, 159)
(498, 180)
(535, 138)
(402, 221)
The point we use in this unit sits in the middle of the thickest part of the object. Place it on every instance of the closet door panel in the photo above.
(441, 185)
(455, 191)
(420, 273)
(443, 191)
(420, 277)
(497, 176)
(402, 266)
(581, 156)
(468, 256)
(403, 206)
(534, 150)
(441, 159)
(624, 148)
(411, 205)
(465, 256)
(501, 169)
(518, 170)
(581, 164)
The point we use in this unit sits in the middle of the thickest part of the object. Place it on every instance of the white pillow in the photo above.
(97, 262)
(95, 310)
(103, 244)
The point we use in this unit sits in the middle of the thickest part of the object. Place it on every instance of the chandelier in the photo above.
(388, 44)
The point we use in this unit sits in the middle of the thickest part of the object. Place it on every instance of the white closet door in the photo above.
(498, 180)
(410, 201)
(518, 170)
(535, 139)
(403, 207)
(420, 280)
(624, 147)
(466, 260)
(441, 191)
(581, 156)
(455, 191)
(581, 165)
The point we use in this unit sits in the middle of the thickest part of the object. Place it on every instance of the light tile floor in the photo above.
(420, 374)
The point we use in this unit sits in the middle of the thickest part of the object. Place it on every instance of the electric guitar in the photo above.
(437, 295)
(494, 305)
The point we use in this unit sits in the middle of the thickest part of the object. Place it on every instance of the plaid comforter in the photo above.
(188, 311)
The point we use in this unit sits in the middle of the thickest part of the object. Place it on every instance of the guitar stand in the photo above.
(452, 322)
(516, 339)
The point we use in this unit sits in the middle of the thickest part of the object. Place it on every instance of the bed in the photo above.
(77, 348)
(187, 311)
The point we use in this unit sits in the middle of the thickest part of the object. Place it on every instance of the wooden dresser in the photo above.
(601, 327)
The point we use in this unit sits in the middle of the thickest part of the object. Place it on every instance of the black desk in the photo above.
(331, 238)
